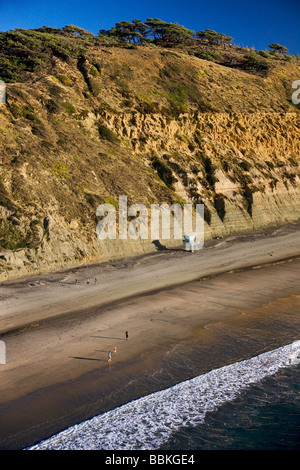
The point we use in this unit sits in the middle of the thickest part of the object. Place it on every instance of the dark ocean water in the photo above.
(265, 417)
(250, 404)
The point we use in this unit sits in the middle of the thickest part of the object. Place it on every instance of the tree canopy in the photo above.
(159, 31)
(213, 37)
(278, 48)
(76, 31)
(152, 29)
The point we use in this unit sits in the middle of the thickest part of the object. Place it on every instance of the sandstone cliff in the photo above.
(149, 123)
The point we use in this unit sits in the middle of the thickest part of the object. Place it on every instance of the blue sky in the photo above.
(256, 23)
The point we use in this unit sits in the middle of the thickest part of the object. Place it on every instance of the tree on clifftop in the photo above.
(76, 31)
(167, 32)
(127, 31)
(140, 27)
(175, 33)
(153, 29)
(156, 28)
(213, 37)
(278, 48)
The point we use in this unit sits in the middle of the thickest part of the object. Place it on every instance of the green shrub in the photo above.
(245, 165)
(11, 238)
(213, 56)
(177, 98)
(111, 200)
(93, 71)
(28, 113)
(107, 134)
(253, 61)
(60, 170)
(65, 80)
(52, 106)
(265, 54)
(70, 109)
(92, 199)
(32, 50)
(163, 171)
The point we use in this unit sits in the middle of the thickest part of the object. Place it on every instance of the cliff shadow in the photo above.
(159, 246)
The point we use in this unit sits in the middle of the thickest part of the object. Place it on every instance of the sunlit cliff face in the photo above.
(154, 125)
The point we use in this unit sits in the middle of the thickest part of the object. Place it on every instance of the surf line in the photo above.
(115, 460)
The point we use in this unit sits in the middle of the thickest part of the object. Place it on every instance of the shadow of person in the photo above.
(86, 358)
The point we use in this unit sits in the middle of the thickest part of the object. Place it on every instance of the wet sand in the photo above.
(58, 331)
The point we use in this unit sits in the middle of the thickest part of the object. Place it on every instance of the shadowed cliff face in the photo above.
(150, 124)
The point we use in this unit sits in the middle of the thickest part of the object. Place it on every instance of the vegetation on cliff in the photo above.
(31, 50)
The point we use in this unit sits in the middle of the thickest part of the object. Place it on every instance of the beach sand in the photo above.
(58, 329)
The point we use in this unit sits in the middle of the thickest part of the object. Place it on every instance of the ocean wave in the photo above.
(148, 422)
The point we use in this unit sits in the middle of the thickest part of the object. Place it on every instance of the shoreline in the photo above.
(57, 369)
(33, 297)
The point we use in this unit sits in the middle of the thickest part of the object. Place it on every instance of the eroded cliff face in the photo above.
(62, 158)
(243, 167)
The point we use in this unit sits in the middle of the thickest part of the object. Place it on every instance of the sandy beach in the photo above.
(58, 328)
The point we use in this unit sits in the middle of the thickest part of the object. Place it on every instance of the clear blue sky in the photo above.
(255, 23)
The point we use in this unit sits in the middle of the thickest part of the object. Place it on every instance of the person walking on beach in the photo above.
(126, 334)
(109, 356)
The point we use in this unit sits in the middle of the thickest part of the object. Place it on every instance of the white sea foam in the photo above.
(148, 422)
